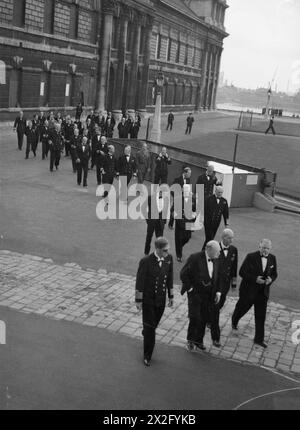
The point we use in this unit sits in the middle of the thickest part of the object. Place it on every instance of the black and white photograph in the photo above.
(149, 208)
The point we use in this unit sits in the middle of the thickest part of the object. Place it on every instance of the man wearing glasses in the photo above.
(153, 282)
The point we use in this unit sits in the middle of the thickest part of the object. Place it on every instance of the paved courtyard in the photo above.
(33, 285)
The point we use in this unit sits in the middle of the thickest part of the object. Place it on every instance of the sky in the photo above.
(264, 44)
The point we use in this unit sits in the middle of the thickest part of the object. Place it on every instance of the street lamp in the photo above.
(268, 101)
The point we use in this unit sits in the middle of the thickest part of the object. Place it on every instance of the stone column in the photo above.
(134, 63)
(208, 77)
(204, 75)
(147, 56)
(104, 53)
(125, 15)
(216, 81)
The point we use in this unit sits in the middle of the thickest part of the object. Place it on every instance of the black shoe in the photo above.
(179, 259)
(234, 326)
(200, 346)
(262, 344)
(217, 344)
(190, 346)
(171, 227)
(146, 362)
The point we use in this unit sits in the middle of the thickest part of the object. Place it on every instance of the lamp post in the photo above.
(268, 102)
(156, 128)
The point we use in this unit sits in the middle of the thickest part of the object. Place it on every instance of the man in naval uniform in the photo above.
(153, 282)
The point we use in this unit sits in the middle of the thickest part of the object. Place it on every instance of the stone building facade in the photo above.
(107, 53)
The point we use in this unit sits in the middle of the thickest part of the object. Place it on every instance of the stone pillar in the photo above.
(204, 76)
(147, 56)
(208, 78)
(134, 64)
(216, 79)
(104, 53)
(125, 14)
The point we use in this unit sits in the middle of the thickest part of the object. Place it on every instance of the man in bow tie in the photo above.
(154, 282)
(258, 272)
(228, 261)
(200, 279)
(215, 208)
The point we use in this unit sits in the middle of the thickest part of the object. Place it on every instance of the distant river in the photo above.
(238, 108)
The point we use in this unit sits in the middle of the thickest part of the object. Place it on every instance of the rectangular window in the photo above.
(19, 13)
(169, 51)
(142, 42)
(49, 16)
(114, 36)
(178, 52)
(129, 37)
(158, 47)
(186, 55)
(74, 18)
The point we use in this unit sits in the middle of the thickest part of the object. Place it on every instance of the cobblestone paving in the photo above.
(31, 284)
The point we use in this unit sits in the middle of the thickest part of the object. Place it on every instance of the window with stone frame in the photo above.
(74, 21)
(19, 13)
(49, 10)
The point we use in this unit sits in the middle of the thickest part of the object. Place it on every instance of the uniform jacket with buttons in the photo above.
(213, 211)
(228, 267)
(153, 283)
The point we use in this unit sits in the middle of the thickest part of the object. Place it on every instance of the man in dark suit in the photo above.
(55, 146)
(110, 167)
(215, 208)
(101, 149)
(258, 272)
(182, 180)
(170, 121)
(68, 133)
(127, 165)
(209, 180)
(189, 124)
(31, 140)
(153, 282)
(75, 140)
(271, 126)
(123, 129)
(83, 157)
(200, 279)
(155, 219)
(20, 128)
(228, 261)
(44, 133)
(182, 233)
(161, 170)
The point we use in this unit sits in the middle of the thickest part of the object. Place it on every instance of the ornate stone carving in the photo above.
(17, 62)
(109, 6)
(72, 68)
(47, 65)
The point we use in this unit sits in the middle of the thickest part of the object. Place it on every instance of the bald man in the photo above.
(200, 279)
(228, 262)
(209, 180)
(258, 272)
(215, 208)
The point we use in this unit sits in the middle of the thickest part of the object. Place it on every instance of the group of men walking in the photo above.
(206, 278)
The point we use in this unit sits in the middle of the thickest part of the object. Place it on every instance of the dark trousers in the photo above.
(215, 319)
(108, 179)
(99, 166)
(160, 178)
(260, 303)
(199, 320)
(30, 146)
(188, 129)
(73, 158)
(151, 317)
(210, 233)
(270, 128)
(170, 125)
(153, 226)
(182, 237)
(82, 167)
(20, 140)
(45, 149)
(54, 159)
(67, 148)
